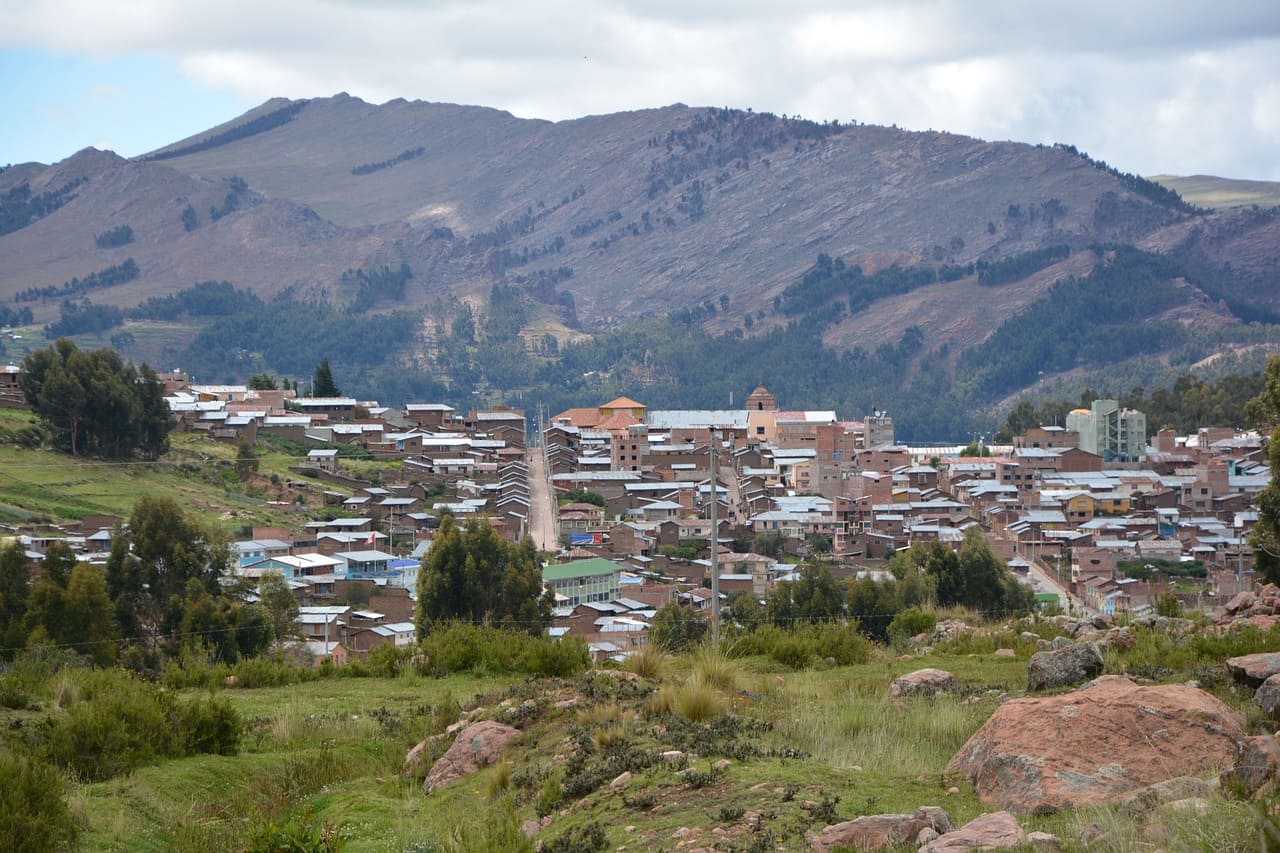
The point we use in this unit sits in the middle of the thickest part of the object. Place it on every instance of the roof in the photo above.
(578, 568)
(623, 403)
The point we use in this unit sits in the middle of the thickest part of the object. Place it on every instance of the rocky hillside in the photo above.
(648, 210)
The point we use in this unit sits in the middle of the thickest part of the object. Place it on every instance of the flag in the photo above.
(373, 537)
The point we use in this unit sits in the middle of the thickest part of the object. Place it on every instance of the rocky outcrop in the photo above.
(1063, 667)
(992, 831)
(924, 682)
(1038, 755)
(1259, 607)
(1253, 670)
(477, 746)
(876, 832)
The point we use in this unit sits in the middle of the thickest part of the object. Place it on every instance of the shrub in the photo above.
(908, 623)
(555, 658)
(550, 796)
(588, 838)
(498, 781)
(212, 726)
(300, 834)
(33, 807)
(122, 722)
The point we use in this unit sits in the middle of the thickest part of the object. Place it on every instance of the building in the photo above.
(1115, 434)
(583, 581)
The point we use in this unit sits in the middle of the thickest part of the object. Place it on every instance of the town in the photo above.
(633, 508)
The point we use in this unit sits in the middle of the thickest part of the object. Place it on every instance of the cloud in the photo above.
(1149, 85)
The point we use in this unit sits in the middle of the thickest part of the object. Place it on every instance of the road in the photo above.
(542, 516)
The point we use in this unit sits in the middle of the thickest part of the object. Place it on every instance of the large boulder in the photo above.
(477, 746)
(875, 832)
(1256, 765)
(1267, 696)
(1041, 754)
(924, 682)
(985, 832)
(1063, 667)
(1253, 670)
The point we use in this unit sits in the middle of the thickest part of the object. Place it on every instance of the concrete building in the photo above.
(1115, 434)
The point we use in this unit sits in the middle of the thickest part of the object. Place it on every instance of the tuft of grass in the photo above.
(649, 662)
(714, 667)
(697, 700)
(662, 702)
(498, 781)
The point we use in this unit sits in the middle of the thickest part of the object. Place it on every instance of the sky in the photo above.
(1150, 86)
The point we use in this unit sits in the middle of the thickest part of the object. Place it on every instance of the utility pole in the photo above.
(715, 549)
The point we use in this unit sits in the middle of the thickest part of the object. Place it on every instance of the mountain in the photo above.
(1215, 192)
(606, 222)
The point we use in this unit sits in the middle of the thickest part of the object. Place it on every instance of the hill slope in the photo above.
(605, 221)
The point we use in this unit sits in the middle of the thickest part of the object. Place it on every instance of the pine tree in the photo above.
(323, 385)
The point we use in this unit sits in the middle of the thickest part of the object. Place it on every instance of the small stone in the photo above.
(1090, 833)
(530, 828)
(1006, 653)
(953, 790)
(722, 764)
(620, 782)
(673, 756)
(629, 828)
(1044, 841)
(905, 658)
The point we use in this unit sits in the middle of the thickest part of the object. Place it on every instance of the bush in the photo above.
(300, 834)
(463, 647)
(649, 662)
(33, 807)
(588, 838)
(909, 623)
(122, 722)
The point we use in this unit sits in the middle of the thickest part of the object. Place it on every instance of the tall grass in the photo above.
(713, 667)
(846, 724)
(649, 662)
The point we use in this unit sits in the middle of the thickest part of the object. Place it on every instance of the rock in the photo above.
(530, 828)
(1255, 766)
(620, 782)
(1043, 841)
(925, 836)
(1195, 805)
(1143, 800)
(1041, 754)
(1006, 653)
(1090, 833)
(923, 682)
(1060, 643)
(1254, 670)
(875, 832)
(1268, 696)
(1241, 601)
(1064, 667)
(722, 764)
(985, 832)
(476, 746)
(672, 756)
(413, 758)
(1028, 637)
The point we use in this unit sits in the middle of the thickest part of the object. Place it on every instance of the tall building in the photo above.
(1115, 434)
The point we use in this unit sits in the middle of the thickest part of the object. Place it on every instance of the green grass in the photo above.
(795, 740)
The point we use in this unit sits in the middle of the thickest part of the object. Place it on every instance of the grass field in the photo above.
(41, 485)
(800, 749)
(1212, 191)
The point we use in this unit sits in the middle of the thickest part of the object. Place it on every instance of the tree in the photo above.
(280, 604)
(475, 575)
(90, 622)
(262, 382)
(174, 548)
(14, 589)
(676, 627)
(813, 597)
(323, 385)
(246, 459)
(95, 403)
(1264, 412)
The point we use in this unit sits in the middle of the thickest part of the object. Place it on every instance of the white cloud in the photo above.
(1150, 86)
